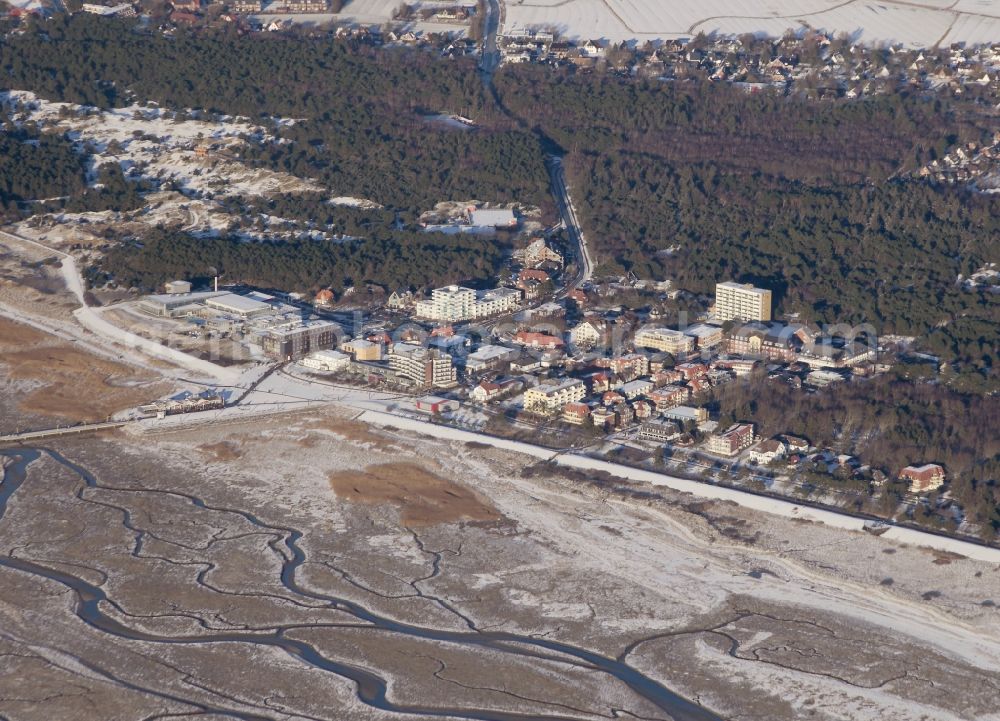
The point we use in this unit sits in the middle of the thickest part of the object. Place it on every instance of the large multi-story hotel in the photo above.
(739, 301)
(426, 366)
(455, 303)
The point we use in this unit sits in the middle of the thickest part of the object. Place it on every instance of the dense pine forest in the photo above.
(36, 166)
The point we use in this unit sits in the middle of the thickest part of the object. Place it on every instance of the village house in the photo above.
(588, 333)
(692, 371)
(643, 409)
(604, 417)
(669, 397)
(739, 366)
(184, 18)
(660, 431)
(628, 366)
(537, 254)
(795, 444)
(612, 398)
(636, 389)
(576, 413)
(686, 414)
(666, 377)
(927, 477)
(399, 300)
(324, 297)
(600, 383)
(767, 452)
(362, 350)
(489, 357)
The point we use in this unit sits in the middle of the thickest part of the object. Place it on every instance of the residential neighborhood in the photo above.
(506, 360)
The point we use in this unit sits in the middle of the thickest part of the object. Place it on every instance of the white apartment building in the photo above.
(705, 336)
(428, 367)
(664, 339)
(326, 360)
(551, 396)
(455, 303)
(741, 301)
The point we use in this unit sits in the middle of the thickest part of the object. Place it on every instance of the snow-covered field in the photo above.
(917, 24)
(371, 12)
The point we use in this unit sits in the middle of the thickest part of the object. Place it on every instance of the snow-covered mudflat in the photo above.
(917, 24)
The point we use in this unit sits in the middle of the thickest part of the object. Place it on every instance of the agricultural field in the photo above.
(923, 24)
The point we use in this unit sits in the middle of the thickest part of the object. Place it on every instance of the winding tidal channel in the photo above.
(92, 602)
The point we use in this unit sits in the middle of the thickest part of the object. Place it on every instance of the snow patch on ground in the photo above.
(195, 155)
(362, 203)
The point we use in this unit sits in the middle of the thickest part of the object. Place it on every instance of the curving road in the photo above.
(488, 65)
(567, 212)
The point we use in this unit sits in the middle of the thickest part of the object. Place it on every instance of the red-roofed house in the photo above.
(600, 382)
(485, 392)
(692, 370)
(643, 409)
(669, 397)
(923, 478)
(662, 378)
(576, 413)
(610, 398)
(537, 340)
(533, 274)
(699, 384)
(183, 18)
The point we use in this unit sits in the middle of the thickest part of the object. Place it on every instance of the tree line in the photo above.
(394, 260)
